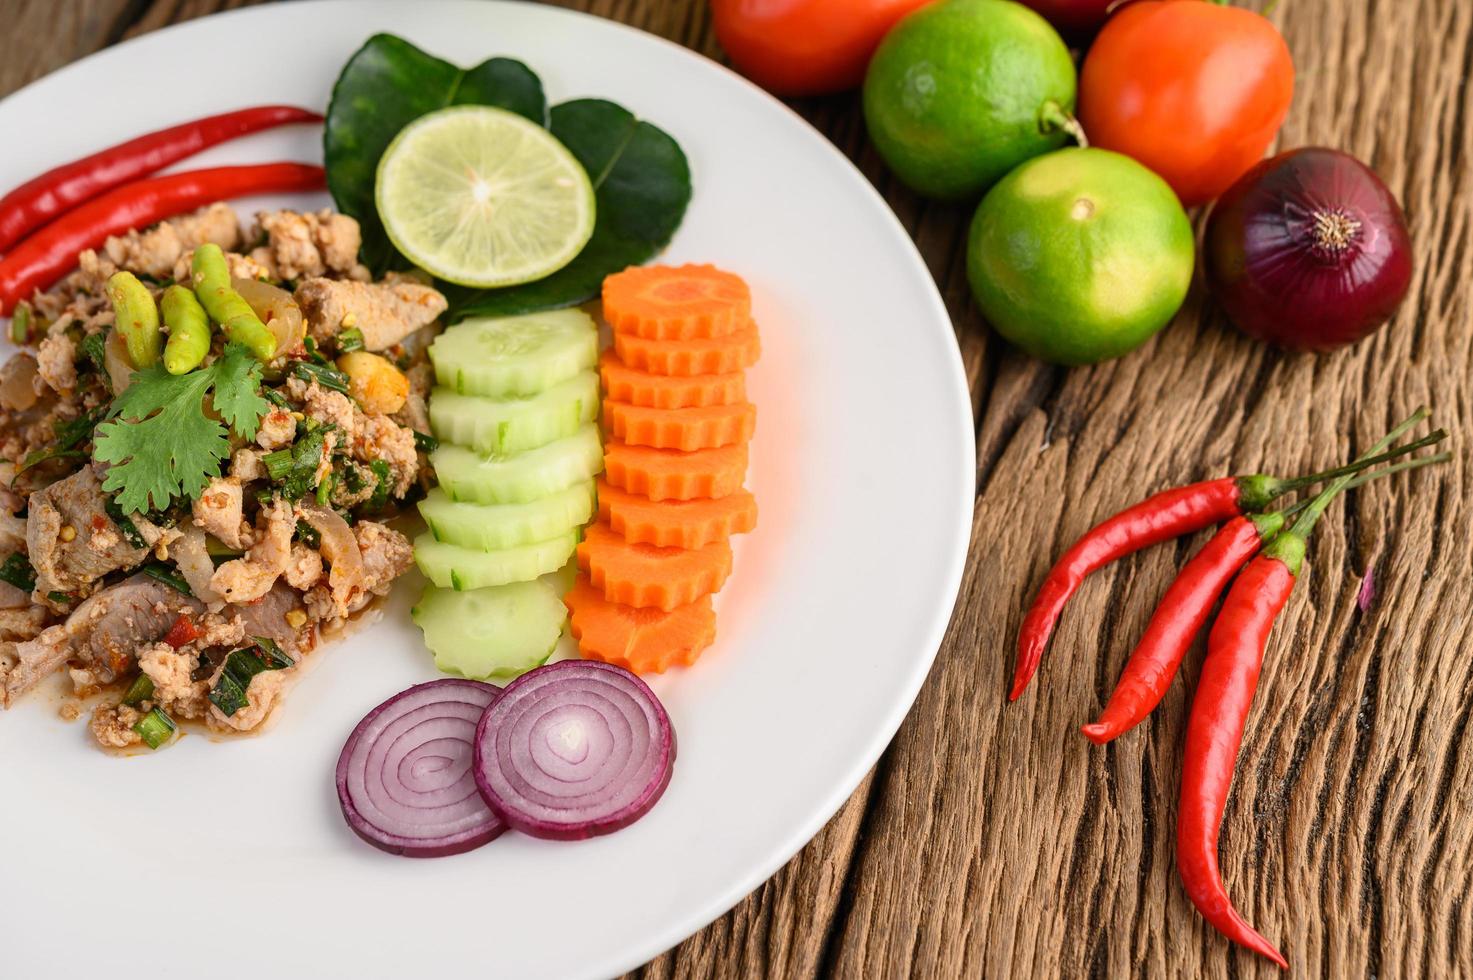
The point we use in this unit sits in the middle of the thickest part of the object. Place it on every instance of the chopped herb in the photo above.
(229, 692)
(350, 340)
(20, 324)
(216, 548)
(276, 398)
(381, 488)
(353, 477)
(17, 570)
(94, 346)
(168, 576)
(124, 523)
(328, 377)
(306, 457)
(316, 355)
(324, 489)
(139, 691)
(158, 438)
(278, 464)
(60, 598)
(309, 535)
(155, 728)
(425, 442)
(67, 437)
(275, 656)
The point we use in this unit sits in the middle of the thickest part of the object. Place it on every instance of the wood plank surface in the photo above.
(994, 840)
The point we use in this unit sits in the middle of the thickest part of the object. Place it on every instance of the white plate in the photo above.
(231, 859)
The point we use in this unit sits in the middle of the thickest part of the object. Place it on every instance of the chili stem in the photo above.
(1306, 521)
(1300, 482)
(1364, 478)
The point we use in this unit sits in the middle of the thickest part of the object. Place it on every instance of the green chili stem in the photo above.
(1364, 478)
(1306, 521)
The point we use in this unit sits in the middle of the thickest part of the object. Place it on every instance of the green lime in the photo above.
(483, 197)
(1080, 255)
(962, 91)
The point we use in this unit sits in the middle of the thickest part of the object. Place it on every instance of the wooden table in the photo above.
(994, 840)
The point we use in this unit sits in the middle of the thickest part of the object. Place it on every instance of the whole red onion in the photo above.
(1074, 18)
(1308, 250)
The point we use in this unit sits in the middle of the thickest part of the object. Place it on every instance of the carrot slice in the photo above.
(646, 641)
(675, 523)
(645, 576)
(686, 429)
(686, 358)
(623, 383)
(667, 474)
(684, 302)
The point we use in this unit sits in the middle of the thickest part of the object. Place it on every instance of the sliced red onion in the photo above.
(574, 749)
(404, 777)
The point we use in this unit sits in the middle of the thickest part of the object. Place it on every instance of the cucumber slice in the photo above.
(562, 580)
(519, 478)
(501, 357)
(487, 527)
(491, 634)
(514, 425)
(452, 567)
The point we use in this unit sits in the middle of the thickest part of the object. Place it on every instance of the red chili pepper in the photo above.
(1177, 620)
(183, 631)
(1169, 514)
(1225, 693)
(1215, 732)
(39, 261)
(57, 191)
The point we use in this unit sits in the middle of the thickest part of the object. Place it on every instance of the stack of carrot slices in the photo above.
(677, 422)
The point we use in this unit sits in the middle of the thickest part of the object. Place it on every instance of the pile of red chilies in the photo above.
(48, 220)
(1235, 645)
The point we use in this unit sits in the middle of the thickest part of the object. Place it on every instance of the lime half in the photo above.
(483, 197)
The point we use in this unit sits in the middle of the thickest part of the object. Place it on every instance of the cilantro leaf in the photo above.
(158, 439)
(238, 391)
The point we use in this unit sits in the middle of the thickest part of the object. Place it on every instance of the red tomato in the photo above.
(1193, 90)
(1073, 17)
(804, 47)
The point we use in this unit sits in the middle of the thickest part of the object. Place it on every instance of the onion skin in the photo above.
(1308, 250)
(1076, 19)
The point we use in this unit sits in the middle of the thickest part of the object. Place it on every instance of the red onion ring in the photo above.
(574, 749)
(404, 777)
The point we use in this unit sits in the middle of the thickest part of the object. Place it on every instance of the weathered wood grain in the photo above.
(994, 840)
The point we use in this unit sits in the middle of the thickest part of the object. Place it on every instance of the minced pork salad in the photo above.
(180, 524)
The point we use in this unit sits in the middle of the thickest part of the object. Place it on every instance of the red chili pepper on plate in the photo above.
(52, 194)
(1169, 514)
(50, 253)
(182, 632)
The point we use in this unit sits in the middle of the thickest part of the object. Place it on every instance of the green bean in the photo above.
(137, 318)
(189, 330)
(228, 308)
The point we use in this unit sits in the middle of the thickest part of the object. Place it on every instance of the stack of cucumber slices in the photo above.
(515, 412)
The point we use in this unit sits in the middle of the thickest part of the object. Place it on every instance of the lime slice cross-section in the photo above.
(483, 197)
